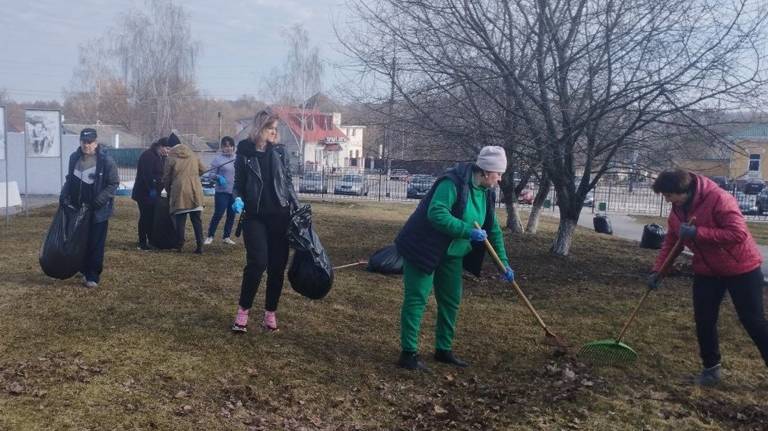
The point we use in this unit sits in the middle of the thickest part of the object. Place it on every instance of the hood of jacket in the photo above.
(181, 151)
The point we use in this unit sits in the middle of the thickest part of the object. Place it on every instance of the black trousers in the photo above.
(746, 292)
(146, 221)
(266, 249)
(94, 255)
(197, 225)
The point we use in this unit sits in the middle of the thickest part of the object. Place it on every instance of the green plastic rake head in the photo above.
(607, 352)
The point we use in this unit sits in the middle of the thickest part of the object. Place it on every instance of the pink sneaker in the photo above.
(241, 321)
(270, 321)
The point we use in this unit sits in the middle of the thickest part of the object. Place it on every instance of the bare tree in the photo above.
(298, 79)
(151, 54)
(580, 78)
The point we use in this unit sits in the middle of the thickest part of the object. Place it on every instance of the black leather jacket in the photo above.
(248, 184)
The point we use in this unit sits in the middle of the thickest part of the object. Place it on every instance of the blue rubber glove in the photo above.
(222, 180)
(238, 206)
(509, 275)
(687, 231)
(477, 235)
(152, 194)
(653, 281)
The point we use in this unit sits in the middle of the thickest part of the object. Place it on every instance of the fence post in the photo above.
(379, 187)
(661, 207)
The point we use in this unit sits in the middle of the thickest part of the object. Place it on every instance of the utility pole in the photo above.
(219, 114)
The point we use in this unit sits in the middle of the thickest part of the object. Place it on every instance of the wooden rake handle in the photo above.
(662, 272)
(519, 291)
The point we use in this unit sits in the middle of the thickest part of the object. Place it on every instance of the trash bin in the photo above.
(602, 206)
(547, 203)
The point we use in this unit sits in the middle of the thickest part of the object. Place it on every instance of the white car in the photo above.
(351, 184)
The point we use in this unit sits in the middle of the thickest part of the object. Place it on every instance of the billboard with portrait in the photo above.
(42, 133)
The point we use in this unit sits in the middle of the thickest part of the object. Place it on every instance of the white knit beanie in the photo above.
(492, 159)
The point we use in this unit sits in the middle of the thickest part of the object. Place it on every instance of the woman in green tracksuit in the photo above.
(438, 241)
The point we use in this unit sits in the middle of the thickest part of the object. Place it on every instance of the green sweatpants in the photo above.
(417, 286)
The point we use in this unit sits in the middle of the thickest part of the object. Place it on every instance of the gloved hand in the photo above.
(653, 281)
(238, 206)
(687, 231)
(222, 180)
(153, 194)
(477, 235)
(509, 275)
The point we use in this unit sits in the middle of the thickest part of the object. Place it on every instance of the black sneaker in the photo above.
(447, 357)
(143, 246)
(239, 329)
(411, 361)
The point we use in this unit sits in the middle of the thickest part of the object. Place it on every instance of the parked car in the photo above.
(589, 199)
(419, 185)
(525, 197)
(351, 184)
(313, 182)
(747, 203)
(721, 181)
(398, 174)
(750, 186)
(761, 201)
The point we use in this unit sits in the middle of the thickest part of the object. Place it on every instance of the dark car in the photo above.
(398, 174)
(313, 182)
(761, 202)
(419, 186)
(747, 203)
(721, 181)
(753, 186)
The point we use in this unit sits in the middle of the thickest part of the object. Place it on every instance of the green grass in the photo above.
(758, 229)
(150, 347)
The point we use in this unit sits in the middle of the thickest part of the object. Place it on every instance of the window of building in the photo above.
(357, 153)
(754, 162)
(354, 131)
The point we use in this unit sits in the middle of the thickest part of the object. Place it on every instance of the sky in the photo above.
(241, 41)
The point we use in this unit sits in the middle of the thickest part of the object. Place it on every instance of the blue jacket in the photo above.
(107, 180)
(423, 245)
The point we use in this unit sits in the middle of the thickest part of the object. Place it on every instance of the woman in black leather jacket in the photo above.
(264, 189)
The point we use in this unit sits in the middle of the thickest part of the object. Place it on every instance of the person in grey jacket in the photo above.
(92, 180)
(222, 171)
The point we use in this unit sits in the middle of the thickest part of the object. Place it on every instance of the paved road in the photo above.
(625, 226)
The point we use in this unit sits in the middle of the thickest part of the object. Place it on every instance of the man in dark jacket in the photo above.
(147, 187)
(92, 180)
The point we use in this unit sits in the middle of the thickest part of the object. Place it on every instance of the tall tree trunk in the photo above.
(533, 220)
(538, 203)
(514, 223)
(562, 244)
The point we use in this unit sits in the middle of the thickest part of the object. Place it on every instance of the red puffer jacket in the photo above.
(723, 245)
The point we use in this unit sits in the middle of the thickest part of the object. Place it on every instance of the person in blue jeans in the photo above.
(223, 173)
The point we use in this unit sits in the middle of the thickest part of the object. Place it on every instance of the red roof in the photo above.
(319, 125)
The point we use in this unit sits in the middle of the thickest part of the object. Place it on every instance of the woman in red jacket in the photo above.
(725, 257)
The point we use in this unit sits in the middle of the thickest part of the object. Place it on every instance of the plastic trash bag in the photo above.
(653, 236)
(386, 261)
(602, 224)
(310, 272)
(63, 250)
(163, 235)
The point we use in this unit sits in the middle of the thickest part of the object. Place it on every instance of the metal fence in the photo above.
(610, 196)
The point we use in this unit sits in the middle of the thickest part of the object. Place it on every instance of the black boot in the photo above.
(411, 361)
(446, 356)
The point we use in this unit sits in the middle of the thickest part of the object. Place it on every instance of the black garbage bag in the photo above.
(63, 250)
(163, 235)
(386, 261)
(311, 272)
(653, 236)
(602, 224)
